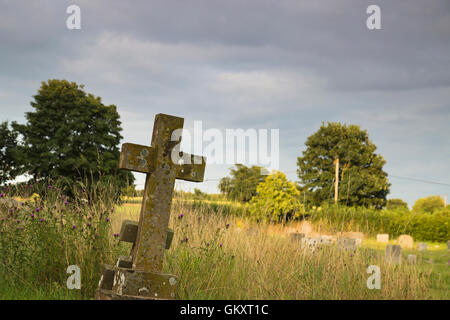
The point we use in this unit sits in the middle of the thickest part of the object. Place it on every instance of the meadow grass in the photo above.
(214, 254)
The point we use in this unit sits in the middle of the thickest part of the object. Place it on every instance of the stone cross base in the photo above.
(123, 284)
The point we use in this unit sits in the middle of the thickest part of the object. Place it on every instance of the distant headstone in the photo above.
(346, 243)
(394, 253)
(406, 241)
(296, 236)
(324, 239)
(310, 243)
(422, 246)
(383, 237)
(412, 259)
(306, 227)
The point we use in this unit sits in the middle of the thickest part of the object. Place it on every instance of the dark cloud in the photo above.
(249, 64)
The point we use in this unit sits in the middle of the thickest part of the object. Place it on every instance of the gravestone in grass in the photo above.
(394, 253)
(347, 243)
(422, 246)
(412, 259)
(406, 241)
(140, 275)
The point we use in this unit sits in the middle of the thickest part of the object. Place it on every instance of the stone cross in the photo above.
(162, 162)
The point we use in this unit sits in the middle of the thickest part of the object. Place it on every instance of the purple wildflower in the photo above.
(74, 227)
(116, 235)
(89, 224)
(2, 195)
(49, 186)
(227, 225)
(32, 215)
(220, 245)
(37, 209)
(180, 216)
(66, 202)
(107, 219)
(41, 219)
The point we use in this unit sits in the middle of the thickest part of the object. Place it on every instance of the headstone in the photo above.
(346, 243)
(310, 243)
(306, 227)
(406, 241)
(296, 236)
(412, 259)
(394, 253)
(139, 276)
(383, 237)
(327, 240)
(422, 246)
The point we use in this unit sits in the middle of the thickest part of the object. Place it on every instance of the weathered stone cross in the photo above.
(140, 277)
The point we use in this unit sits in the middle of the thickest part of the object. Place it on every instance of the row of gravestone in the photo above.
(405, 241)
(313, 242)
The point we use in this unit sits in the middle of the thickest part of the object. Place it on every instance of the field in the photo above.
(217, 255)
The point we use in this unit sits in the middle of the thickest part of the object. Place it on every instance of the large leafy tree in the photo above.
(396, 204)
(241, 186)
(362, 181)
(71, 134)
(428, 204)
(277, 199)
(9, 154)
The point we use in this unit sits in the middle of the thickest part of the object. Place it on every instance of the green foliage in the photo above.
(129, 191)
(393, 204)
(362, 179)
(9, 154)
(241, 186)
(71, 134)
(421, 226)
(277, 199)
(42, 236)
(428, 204)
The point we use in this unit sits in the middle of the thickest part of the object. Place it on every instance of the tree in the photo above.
(428, 204)
(71, 134)
(362, 181)
(242, 184)
(277, 199)
(9, 154)
(393, 204)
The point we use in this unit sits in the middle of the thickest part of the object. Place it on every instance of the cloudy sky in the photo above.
(260, 64)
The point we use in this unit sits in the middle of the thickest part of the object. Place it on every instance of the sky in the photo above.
(287, 65)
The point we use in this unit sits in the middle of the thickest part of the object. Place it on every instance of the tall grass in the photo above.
(41, 236)
(216, 257)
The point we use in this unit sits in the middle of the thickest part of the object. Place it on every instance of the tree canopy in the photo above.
(9, 154)
(241, 186)
(277, 199)
(362, 181)
(71, 134)
(393, 204)
(428, 204)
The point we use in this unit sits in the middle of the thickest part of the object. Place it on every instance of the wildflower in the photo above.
(37, 209)
(107, 220)
(96, 235)
(89, 224)
(18, 221)
(2, 195)
(32, 215)
(66, 202)
(180, 216)
(227, 225)
(31, 186)
(116, 235)
(74, 227)
(41, 219)
(220, 245)
(49, 187)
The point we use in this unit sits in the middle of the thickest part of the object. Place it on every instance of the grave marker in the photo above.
(347, 243)
(422, 246)
(139, 276)
(412, 259)
(406, 241)
(383, 237)
(394, 253)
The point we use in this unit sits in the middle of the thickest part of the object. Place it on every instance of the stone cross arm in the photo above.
(143, 159)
